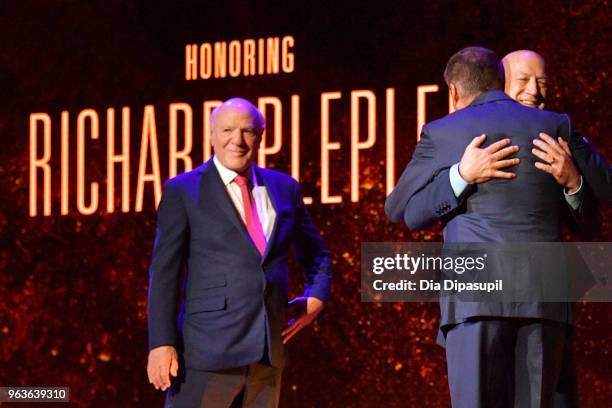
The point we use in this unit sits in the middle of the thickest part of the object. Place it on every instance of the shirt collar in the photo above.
(228, 175)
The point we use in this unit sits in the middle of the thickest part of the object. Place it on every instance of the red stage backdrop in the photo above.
(103, 100)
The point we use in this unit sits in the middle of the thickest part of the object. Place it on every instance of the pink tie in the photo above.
(250, 214)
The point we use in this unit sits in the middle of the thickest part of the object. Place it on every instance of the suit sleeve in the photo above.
(423, 194)
(585, 221)
(312, 252)
(593, 167)
(164, 273)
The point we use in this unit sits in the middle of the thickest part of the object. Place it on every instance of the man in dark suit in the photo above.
(526, 81)
(492, 191)
(232, 223)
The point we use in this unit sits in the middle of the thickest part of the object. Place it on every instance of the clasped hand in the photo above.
(479, 165)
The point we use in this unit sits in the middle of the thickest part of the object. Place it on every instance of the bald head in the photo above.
(526, 78)
(242, 105)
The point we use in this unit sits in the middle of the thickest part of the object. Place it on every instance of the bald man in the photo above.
(526, 82)
(526, 78)
(232, 223)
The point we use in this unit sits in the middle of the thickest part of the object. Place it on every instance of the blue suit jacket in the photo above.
(525, 209)
(234, 299)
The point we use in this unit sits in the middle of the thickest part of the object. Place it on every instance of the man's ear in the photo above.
(212, 137)
(454, 95)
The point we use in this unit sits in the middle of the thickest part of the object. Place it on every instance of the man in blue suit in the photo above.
(232, 224)
(526, 82)
(493, 191)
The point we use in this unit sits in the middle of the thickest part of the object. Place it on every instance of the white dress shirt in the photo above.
(265, 209)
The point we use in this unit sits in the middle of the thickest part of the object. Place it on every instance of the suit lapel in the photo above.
(212, 188)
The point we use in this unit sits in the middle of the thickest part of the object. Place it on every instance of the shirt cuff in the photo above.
(574, 199)
(457, 182)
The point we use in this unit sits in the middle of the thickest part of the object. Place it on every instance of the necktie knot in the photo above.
(241, 180)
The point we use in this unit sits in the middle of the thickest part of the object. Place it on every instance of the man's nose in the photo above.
(237, 137)
(532, 87)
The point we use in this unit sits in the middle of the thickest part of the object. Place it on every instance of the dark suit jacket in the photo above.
(525, 209)
(234, 299)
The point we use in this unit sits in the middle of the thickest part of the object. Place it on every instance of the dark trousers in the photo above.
(504, 362)
(253, 386)
(567, 388)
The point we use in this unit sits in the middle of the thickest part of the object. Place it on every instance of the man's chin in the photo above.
(238, 166)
